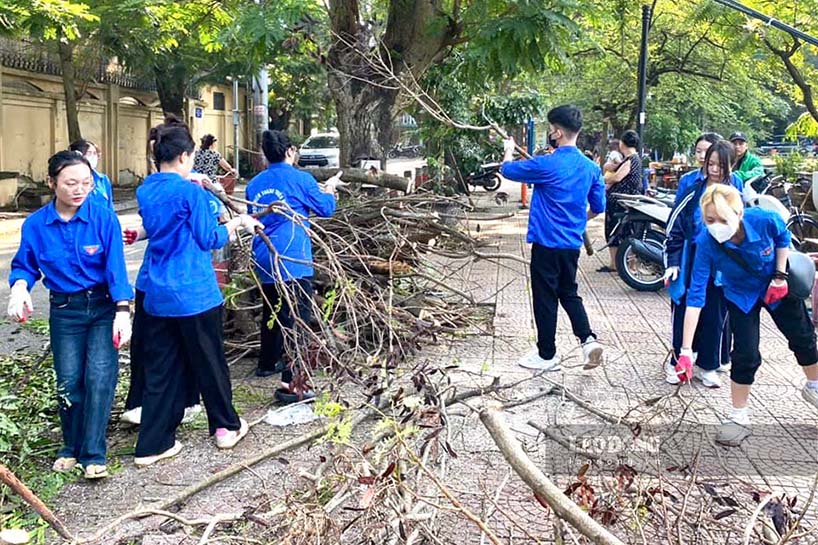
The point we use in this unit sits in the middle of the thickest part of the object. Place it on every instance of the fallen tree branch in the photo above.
(563, 507)
(10, 479)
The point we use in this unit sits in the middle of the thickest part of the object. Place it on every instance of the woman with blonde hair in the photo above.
(749, 248)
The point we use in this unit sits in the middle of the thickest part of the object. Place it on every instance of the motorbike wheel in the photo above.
(493, 184)
(636, 272)
(802, 228)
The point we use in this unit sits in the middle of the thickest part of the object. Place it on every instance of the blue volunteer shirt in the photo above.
(565, 182)
(177, 276)
(764, 232)
(687, 182)
(103, 191)
(299, 190)
(73, 255)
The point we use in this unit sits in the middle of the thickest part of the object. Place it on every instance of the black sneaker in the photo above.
(284, 395)
(279, 367)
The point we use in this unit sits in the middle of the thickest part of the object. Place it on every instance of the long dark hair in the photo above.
(170, 140)
(207, 141)
(726, 154)
(82, 146)
(64, 159)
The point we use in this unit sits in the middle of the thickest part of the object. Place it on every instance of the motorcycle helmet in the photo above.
(801, 272)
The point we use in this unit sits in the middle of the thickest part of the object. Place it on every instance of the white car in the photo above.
(320, 150)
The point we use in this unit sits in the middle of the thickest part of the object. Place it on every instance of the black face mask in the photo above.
(552, 141)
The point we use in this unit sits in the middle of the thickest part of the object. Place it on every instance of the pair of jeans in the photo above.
(85, 362)
(136, 388)
(175, 343)
(791, 319)
(712, 339)
(553, 281)
(273, 347)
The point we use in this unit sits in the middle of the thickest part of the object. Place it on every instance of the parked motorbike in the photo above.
(640, 232)
(487, 176)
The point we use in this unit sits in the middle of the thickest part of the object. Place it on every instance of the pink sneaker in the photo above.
(227, 439)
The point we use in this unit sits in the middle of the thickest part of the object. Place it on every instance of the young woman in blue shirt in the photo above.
(75, 244)
(749, 250)
(103, 190)
(287, 275)
(684, 224)
(183, 304)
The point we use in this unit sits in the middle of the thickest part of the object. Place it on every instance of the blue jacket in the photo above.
(177, 276)
(299, 190)
(73, 255)
(765, 232)
(103, 190)
(565, 182)
(684, 224)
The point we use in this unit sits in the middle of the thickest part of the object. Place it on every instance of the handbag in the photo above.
(800, 269)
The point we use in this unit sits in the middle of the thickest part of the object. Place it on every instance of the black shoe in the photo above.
(606, 269)
(279, 367)
(285, 396)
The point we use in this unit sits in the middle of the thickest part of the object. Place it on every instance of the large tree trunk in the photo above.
(171, 84)
(365, 104)
(66, 54)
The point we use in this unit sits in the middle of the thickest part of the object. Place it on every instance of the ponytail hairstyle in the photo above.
(726, 153)
(207, 141)
(275, 145)
(169, 140)
(726, 199)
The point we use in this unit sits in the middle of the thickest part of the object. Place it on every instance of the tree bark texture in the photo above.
(171, 83)
(366, 101)
(66, 53)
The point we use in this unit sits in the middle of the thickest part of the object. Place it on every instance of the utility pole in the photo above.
(236, 121)
(643, 76)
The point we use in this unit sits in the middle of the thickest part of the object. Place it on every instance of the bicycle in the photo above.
(802, 226)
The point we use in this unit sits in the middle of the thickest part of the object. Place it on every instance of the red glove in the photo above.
(129, 236)
(775, 292)
(684, 368)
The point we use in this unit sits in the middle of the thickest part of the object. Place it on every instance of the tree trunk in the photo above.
(171, 84)
(66, 54)
(279, 119)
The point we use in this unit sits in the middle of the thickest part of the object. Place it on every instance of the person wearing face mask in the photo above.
(749, 249)
(684, 224)
(74, 244)
(103, 190)
(747, 165)
(183, 305)
(565, 183)
(286, 277)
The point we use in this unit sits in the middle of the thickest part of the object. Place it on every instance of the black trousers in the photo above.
(273, 346)
(174, 343)
(710, 336)
(791, 319)
(136, 388)
(553, 281)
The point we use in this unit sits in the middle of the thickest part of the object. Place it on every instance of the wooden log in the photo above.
(10, 479)
(361, 176)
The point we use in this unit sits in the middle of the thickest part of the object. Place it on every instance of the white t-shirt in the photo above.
(613, 157)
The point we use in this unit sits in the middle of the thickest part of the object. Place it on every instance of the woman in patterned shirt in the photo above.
(208, 160)
(625, 178)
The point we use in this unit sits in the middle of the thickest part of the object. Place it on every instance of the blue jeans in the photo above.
(86, 365)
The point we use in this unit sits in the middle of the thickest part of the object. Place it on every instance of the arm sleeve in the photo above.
(596, 196)
(527, 171)
(681, 189)
(779, 232)
(116, 273)
(738, 183)
(319, 203)
(674, 243)
(207, 233)
(24, 265)
(248, 194)
(702, 267)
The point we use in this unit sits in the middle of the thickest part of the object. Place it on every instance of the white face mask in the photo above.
(723, 232)
(93, 160)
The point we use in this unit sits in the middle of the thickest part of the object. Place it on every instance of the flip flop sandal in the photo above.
(61, 465)
(96, 471)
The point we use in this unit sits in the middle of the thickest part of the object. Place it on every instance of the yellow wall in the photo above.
(33, 123)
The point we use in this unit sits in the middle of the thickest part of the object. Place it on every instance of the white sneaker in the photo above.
(134, 416)
(144, 461)
(227, 439)
(592, 353)
(191, 413)
(671, 376)
(724, 368)
(710, 379)
(532, 360)
(810, 395)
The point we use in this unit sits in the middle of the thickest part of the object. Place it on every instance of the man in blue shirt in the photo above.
(565, 183)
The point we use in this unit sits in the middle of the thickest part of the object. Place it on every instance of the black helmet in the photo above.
(738, 136)
(801, 272)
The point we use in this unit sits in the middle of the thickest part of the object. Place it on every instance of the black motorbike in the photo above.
(487, 176)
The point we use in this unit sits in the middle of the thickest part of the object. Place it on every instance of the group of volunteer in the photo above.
(76, 245)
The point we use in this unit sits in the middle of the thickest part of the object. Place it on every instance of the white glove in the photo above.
(687, 352)
(249, 223)
(671, 274)
(20, 305)
(334, 183)
(198, 178)
(122, 329)
(509, 145)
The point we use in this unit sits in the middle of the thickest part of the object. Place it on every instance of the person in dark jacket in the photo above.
(684, 224)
